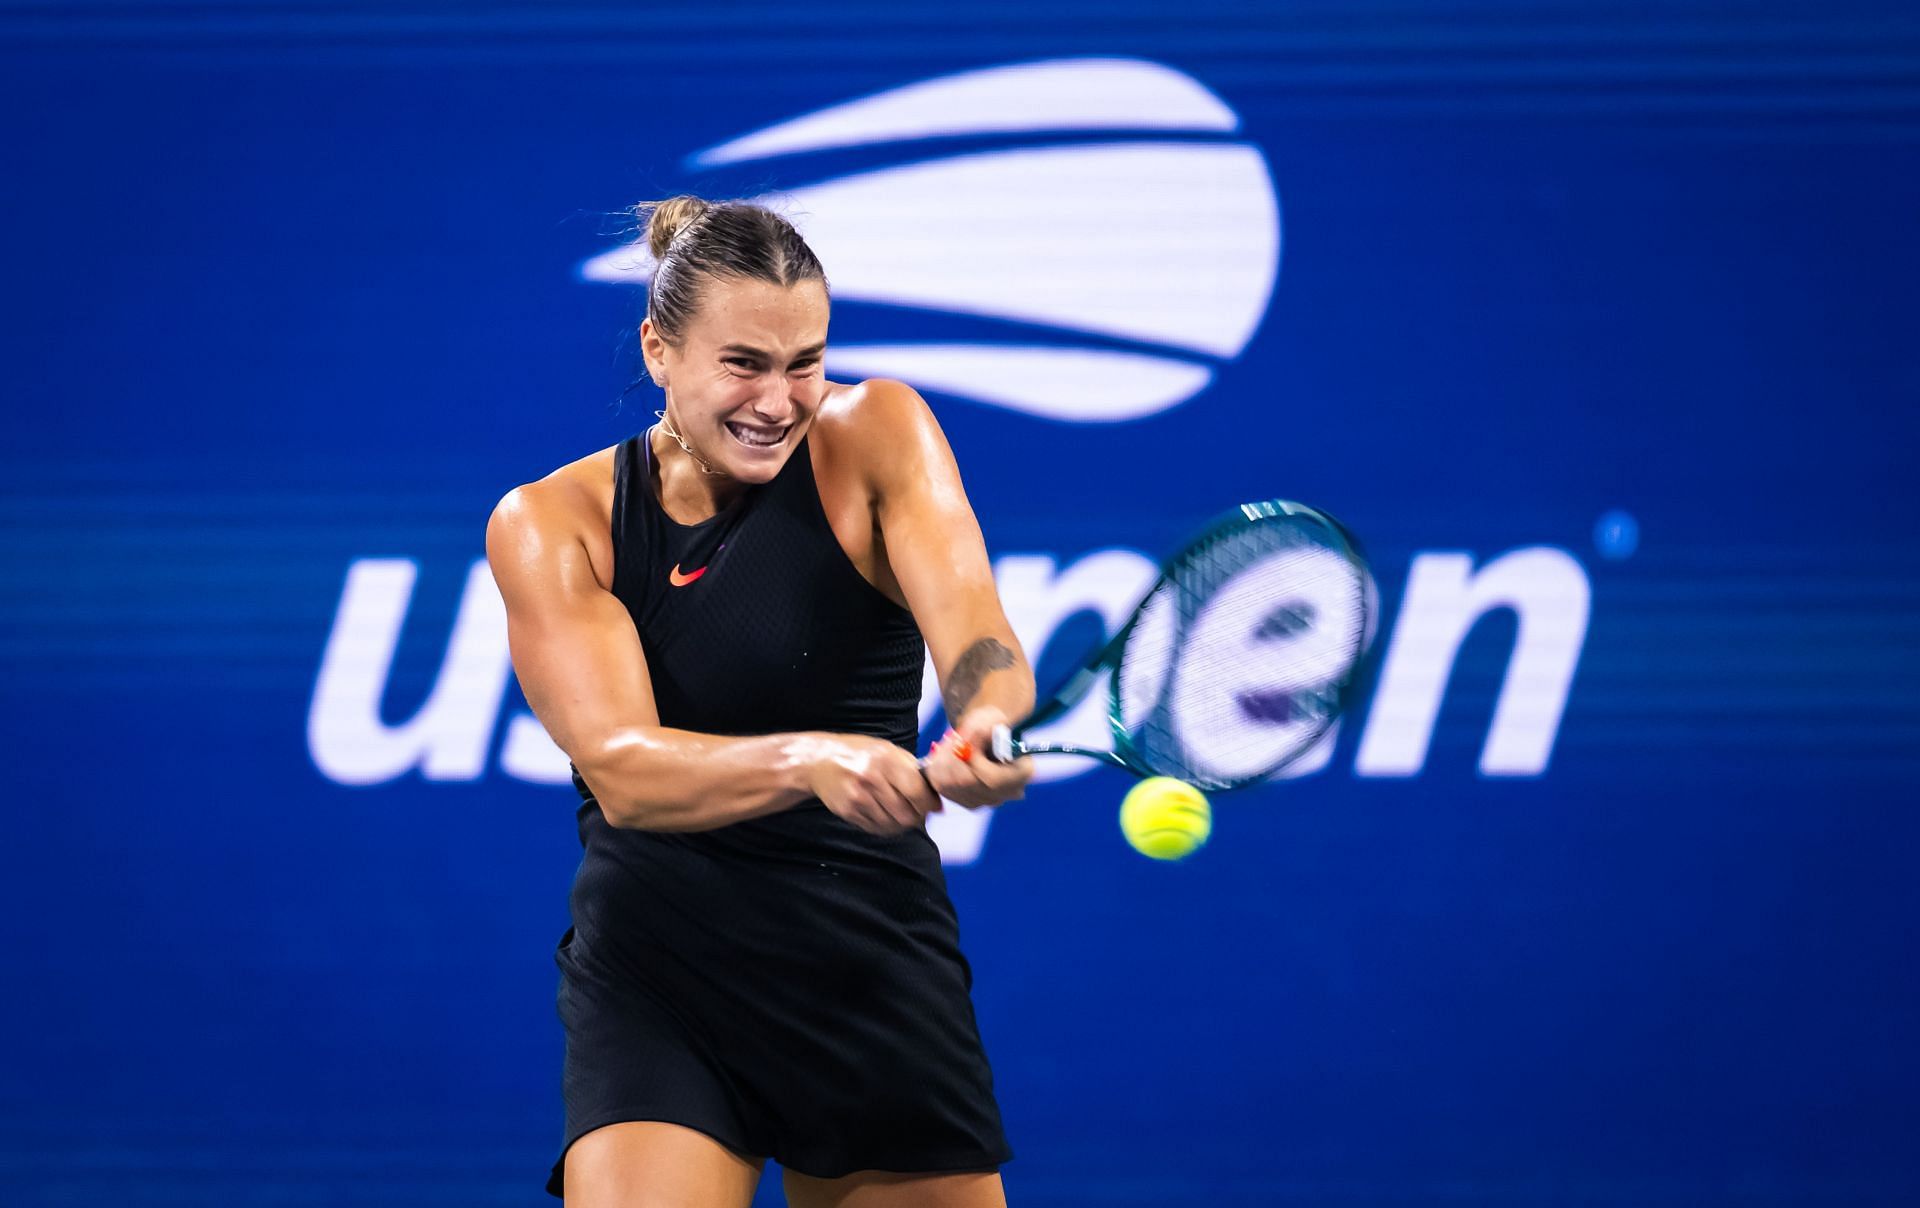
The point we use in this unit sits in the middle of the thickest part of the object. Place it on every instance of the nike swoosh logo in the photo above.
(679, 580)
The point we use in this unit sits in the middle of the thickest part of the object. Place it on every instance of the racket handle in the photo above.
(1001, 748)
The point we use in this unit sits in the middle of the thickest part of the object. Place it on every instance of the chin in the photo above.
(757, 470)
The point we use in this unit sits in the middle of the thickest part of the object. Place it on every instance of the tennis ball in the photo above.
(1166, 819)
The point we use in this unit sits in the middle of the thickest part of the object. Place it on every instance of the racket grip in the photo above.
(1000, 748)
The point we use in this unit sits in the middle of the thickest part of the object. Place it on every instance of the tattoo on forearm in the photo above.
(981, 659)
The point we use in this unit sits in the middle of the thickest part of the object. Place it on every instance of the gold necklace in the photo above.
(666, 425)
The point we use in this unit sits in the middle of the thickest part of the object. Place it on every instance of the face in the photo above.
(745, 379)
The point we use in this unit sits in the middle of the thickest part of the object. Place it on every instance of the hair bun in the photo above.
(668, 218)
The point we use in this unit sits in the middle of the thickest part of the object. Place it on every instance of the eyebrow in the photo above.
(812, 350)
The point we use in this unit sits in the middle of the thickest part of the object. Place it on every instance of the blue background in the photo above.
(292, 287)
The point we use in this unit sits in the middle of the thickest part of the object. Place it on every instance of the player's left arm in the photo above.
(935, 551)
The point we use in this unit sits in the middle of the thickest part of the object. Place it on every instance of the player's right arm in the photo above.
(584, 673)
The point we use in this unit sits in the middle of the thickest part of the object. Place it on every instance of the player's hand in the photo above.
(871, 783)
(961, 769)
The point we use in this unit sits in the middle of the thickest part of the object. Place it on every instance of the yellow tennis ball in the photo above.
(1166, 819)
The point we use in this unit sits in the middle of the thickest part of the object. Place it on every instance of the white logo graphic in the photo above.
(453, 734)
(1139, 261)
(1222, 658)
(1168, 247)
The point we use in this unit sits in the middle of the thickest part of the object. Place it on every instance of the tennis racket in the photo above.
(1238, 659)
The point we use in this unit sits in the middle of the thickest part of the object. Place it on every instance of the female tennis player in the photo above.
(723, 622)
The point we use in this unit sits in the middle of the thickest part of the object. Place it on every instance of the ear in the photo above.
(653, 350)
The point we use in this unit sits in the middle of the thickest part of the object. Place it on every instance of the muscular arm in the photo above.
(583, 671)
(935, 551)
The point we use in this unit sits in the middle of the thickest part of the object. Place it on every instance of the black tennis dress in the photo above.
(790, 985)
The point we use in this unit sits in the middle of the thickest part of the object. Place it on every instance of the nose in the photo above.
(775, 403)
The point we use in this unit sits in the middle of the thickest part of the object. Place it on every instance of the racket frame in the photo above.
(1006, 744)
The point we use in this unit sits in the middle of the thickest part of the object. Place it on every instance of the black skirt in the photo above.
(790, 986)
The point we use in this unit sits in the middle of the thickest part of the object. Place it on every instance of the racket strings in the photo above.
(1239, 660)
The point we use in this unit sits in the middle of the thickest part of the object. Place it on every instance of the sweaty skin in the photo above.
(893, 497)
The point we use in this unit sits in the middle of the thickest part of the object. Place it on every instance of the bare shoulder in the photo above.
(572, 505)
(872, 410)
(875, 428)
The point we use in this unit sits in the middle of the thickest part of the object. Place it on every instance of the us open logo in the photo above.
(1122, 250)
(1098, 244)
